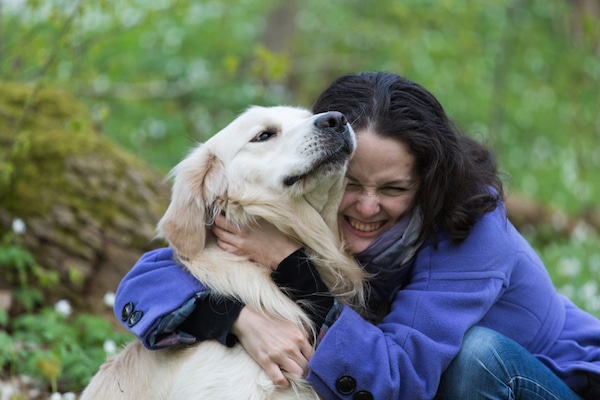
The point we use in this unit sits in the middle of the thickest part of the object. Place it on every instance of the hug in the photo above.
(455, 303)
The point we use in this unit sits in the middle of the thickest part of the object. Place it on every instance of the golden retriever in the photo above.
(284, 165)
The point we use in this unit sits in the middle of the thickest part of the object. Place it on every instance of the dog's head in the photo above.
(275, 163)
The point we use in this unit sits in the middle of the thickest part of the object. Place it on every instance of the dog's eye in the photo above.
(262, 136)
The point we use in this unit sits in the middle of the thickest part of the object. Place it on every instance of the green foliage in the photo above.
(18, 266)
(159, 76)
(61, 351)
(576, 267)
(164, 93)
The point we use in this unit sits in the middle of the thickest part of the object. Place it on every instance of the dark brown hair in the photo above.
(458, 176)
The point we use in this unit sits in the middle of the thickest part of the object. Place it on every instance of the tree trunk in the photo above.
(280, 26)
(584, 18)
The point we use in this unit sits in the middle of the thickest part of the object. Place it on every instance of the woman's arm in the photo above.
(277, 345)
(404, 356)
(155, 296)
(165, 306)
(451, 288)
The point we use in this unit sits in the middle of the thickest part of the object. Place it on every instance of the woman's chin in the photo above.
(355, 243)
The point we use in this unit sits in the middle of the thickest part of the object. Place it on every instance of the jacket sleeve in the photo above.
(212, 318)
(404, 356)
(450, 290)
(213, 315)
(155, 296)
(165, 306)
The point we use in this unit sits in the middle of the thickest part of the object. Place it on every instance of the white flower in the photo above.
(18, 226)
(109, 299)
(69, 396)
(63, 307)
(110, 347)
(7, 390)
(56, 396)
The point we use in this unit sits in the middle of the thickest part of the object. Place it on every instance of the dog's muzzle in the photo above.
(336, 123)
(337, 145)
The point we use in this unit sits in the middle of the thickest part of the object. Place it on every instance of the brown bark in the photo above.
(546, 223)
(280, 26)
(584, 21)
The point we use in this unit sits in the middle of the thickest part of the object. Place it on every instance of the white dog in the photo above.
(281, 164)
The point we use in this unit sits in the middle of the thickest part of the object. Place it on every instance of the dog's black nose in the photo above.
(334, 120)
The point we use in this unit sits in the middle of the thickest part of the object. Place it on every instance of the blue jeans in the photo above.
(492, 366)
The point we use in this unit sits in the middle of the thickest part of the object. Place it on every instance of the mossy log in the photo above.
(90, 208)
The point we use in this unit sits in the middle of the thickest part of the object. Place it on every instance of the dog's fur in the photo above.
(281, 164)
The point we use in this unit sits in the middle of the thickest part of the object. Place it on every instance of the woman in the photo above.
(462, 305)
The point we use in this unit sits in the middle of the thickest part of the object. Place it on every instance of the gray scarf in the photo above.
(390, 257)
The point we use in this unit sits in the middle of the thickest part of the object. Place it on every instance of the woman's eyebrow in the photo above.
(401, 181)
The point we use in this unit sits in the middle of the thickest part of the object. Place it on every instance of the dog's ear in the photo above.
(199, 180)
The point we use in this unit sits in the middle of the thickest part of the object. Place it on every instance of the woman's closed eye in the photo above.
(353, 186)
(392, 190)
(389, 191)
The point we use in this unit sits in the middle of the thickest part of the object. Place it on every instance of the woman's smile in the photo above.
(364, 228)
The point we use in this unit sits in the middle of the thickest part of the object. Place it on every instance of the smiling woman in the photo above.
(381, 189)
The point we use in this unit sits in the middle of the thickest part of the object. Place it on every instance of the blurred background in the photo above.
(154, 77)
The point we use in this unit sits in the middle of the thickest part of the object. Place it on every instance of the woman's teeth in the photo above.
(363, 226)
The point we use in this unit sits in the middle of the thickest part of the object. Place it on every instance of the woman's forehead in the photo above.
(380, 159)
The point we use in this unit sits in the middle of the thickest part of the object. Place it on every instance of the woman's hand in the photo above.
(276, 345)
(262, 242)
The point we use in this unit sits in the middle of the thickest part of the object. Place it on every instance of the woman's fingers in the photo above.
(260, 242)
(276, 345)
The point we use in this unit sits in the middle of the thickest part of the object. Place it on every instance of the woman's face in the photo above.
(381, 189)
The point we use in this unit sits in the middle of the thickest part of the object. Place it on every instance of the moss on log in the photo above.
(90, 208)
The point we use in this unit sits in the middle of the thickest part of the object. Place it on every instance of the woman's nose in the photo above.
(367, 204)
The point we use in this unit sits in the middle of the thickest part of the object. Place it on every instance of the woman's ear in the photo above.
(198, 181)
